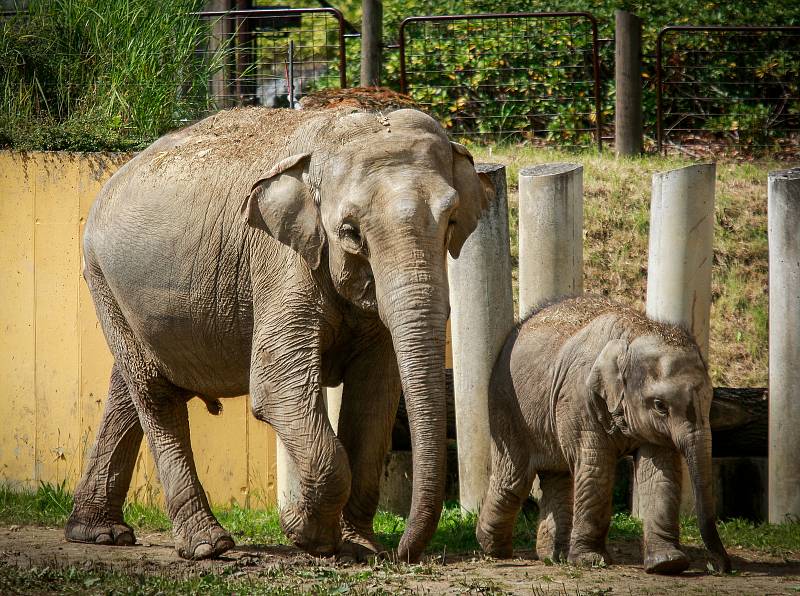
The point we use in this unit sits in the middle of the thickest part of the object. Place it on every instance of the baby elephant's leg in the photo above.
(509, 485)
(555, 516)
(594, 483)
(659, 487)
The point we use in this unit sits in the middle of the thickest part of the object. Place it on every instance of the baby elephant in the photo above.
(578, 384)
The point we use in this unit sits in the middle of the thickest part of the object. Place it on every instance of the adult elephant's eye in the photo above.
(660, 407)
(351, 238)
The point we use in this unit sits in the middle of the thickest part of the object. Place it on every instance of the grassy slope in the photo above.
(616, 223)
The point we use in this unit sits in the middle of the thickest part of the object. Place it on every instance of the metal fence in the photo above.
(728, 88)
(518, 76)
(272, 57)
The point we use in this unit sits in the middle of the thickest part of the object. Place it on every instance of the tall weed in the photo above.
(103, 74)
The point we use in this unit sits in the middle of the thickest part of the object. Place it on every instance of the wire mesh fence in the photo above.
(272, 57)
(728, 89)
(506, 77)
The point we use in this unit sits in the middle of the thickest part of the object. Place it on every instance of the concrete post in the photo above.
(482, 314)
(681, 249)
(371, 42)
(333, 403)
(784, 345)
(681, 253)
(550, 233)
(288, 480)
(628, 74)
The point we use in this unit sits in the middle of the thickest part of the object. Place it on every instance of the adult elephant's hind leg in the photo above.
(163, 415)
(369, 406)
(97, 512)
(165, 418)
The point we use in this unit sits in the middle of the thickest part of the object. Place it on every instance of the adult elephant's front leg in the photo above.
(658, 479)
(285, 392)
(369, 406)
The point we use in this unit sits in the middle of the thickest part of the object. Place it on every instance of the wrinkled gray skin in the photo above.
(579, 384)
(275, 252)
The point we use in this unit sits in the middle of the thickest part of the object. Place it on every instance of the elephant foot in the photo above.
(666, 562)
(318, 537)
(553, 553)
(589, 558)
(205, 544)
(359, 545)
(499, 547)
(93, 531)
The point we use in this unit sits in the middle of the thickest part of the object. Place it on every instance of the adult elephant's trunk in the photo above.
(413, 304)
(696, 448)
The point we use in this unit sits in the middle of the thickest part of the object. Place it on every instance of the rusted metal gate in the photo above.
(506, 76)
(272, 57)
(720, 87)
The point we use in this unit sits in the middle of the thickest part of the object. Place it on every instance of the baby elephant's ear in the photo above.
(605, 378)
(282, 204)
(475, 191)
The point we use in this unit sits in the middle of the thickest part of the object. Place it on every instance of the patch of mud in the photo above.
(756, 573)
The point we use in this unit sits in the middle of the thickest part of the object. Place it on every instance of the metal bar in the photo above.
(475, 30)
(711, 29)
(659, 94)
(596, 66)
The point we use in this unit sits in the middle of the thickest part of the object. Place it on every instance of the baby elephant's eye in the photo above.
(660, 406)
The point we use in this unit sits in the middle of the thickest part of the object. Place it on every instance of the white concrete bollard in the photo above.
(681, 253)
(333, 404)
(288, 480)
(681, 249)
(482, 314)
(784, 345)
(550, 233)
(550, 237)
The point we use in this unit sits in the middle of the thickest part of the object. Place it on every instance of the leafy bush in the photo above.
(102, 74)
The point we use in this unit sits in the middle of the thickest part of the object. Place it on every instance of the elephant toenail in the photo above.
(104, 538)
(203, 551)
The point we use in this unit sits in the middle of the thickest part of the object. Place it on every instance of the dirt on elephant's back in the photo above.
(285, 568)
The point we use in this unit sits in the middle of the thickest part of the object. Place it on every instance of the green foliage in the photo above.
(746, 120)
(102, 74)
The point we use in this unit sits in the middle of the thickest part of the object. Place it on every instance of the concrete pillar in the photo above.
(371, 42)
(681, 249)
(550, 233)
(681, 253)
(333, 403)
(482, 314)
(628, 137)
(288, 481)
(784, 345)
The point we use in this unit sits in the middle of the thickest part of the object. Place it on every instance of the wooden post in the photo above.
(482, 314)
(628, 74)
(371, 42)
(784, 345)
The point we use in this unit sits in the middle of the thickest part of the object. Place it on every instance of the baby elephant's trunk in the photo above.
(696, 448)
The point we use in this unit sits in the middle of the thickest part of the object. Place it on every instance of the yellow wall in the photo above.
(54, 363)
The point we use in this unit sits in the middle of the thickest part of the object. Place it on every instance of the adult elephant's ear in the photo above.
(282, 204)
(475, 191)
(606, 376)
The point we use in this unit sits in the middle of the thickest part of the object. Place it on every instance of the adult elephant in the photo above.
(276, 252)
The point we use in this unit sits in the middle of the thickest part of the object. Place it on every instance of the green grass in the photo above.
(51, 504)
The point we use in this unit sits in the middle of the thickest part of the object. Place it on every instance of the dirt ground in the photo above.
(287, 567)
